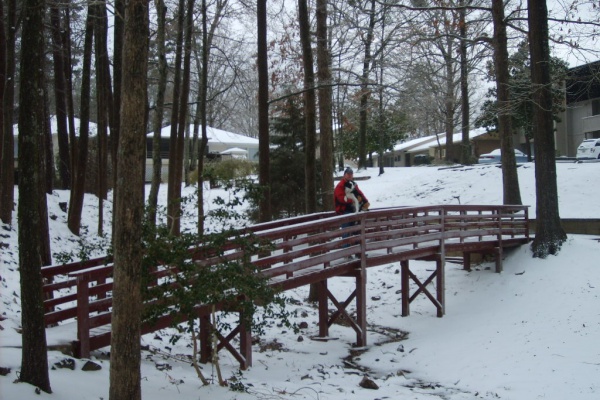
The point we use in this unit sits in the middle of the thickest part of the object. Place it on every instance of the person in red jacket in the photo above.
(343, 203)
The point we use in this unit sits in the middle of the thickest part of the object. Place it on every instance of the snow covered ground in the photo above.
(528, 333)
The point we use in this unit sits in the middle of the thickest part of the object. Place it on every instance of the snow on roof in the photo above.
(93, 127)
(216, 135)
(409, 144)
(456, 138)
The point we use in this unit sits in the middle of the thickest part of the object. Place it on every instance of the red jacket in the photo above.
(340, 199)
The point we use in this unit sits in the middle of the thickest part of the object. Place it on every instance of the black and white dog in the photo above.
(351, 193)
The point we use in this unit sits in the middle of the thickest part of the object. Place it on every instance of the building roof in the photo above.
(217, 136)
(456, 138)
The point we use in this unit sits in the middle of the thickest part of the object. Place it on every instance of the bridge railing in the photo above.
(302, 250)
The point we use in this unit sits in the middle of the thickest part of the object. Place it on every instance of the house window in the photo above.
(596, 107)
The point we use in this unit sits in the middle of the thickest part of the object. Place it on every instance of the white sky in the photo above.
(528, 333)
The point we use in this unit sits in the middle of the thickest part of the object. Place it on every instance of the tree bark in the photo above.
(310, 167)
(549, 234)
(158, 110)
(174, 186)
(7, 155)
(325, 110)
(78, 189)
(510, 178)
(465, 154)
(60, 101)
(365, 92)
(125, 357)
(264, 176)
(34, 362)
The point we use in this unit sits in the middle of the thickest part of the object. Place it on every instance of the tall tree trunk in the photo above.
(60, 101)
(449, 101)
(365, 92)
(310, 167)
(158, 110)
(102, 94)
(549, 234)
(183, 123)
(202, 111)
(67, 45)
(7, 155)
(34, 362)
(510, 178)
(325, 110)
(2, 87)
(264, 175)
(174, 186)
(125, 357)
(78, 189)
(115, 102)
(465, 154)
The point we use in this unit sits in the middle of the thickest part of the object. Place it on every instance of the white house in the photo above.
(220, 142)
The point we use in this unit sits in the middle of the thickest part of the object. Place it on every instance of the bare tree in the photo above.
(34, 361)
(7, 155)
(174, 186)
(161, 11)
(129, 209)
(79, 172)
(549, 234)
(264, 177)
(510, 178)
(310, 110)
(325, 107)
(60, 96)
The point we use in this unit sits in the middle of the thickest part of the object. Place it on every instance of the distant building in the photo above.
(581, 118)
(220, 144)
(434, 146)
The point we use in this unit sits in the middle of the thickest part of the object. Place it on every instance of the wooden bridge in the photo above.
(306, 250)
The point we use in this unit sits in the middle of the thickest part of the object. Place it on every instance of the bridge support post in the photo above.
(361, 307)
(322, 295)
(498, 256)
(204, 336)
(83, 318)
(405, 287)
(245, 343)
(441, 284)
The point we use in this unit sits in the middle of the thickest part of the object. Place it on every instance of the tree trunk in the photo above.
(7, 155)
(102, 85)
(129, 209)
(115, 102)
(365, 92)
(549, 234)
(2, 87)
(60, 101)
(449, 101)
(182, 129)
(325, 110)
(465, 154)
(310, 167)
(174, 186)
(510, 178)
(78, 189)
(264, 176)
(202, 112)
(158, 110)
(34, 362)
